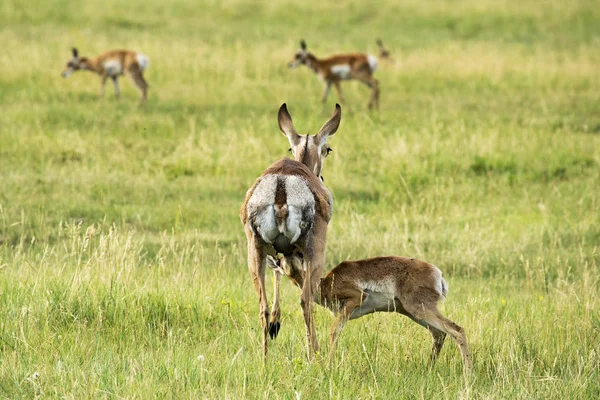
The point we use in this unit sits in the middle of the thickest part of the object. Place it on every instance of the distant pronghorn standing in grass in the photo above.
(112, 64)
(382, 284)
(336, 68)
(383, 52)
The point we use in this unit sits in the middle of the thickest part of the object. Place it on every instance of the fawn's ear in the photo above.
(75, 53)
(274, 263)
(331, 126)
(303, 45)
(287, 126)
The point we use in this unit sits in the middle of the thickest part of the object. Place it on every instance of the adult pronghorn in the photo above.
(287, 210)
(382, 284)
(112, 64)
(336, 68)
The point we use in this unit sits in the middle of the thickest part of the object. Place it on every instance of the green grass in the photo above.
(122, 258)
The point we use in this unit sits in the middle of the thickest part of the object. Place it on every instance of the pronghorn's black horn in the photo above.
(75, 52)
(303, 44)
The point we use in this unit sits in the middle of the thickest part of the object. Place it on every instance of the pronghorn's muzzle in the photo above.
(274, 263)
(67, 72)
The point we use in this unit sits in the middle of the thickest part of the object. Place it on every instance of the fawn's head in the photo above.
(310, 150)
(301, 57)
(383, 52)
(291, 267)
(74, 64)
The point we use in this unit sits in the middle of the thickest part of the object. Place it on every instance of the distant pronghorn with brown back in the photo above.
(112, 64)
(382, 284)
(340, 67)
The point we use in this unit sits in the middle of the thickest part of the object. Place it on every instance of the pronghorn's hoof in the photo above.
(274, 329)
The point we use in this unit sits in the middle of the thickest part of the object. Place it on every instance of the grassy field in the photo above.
(122, 258)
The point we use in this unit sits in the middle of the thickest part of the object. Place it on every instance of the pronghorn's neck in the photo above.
(302, 154)
(90, 64)
(313, 63)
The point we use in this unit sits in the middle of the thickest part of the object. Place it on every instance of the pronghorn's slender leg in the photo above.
(437, 335)
(312, 281)
(429, 316)
(256, 265)
(274, 323)
(457, 334)
(116, 85)
(338, 87)
(326, 91)
(438, 342)
(335, 330)
(374, 85)
(140, 82)
(338, 324)
(306, 302)
(103, 79)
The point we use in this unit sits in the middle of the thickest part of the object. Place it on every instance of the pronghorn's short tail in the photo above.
(441, 286)
(281, 212)
(444, 288)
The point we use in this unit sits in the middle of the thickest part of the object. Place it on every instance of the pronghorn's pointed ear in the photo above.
(330, 126)
(287, 126)
(274, 263)
(303, 45)
(75, 53)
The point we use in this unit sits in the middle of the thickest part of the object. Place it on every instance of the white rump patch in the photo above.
(372, 60)
(298, 192)
(298, 198)
(142, 60)
(342, 71)
(261, 203)
(113, 67)
(264, 192)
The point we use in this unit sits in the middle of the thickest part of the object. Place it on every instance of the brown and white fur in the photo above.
(382, 284)
(112, 64)
(287, 210)
(334, 69)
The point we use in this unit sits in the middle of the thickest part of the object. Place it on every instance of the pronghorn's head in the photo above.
(291, 266)
(310, 150)
(74, 64)
(383, 53)
(301, 57)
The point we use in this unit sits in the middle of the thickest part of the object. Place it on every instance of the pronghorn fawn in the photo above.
(334, 69)
(287, 210)
(382, 284)
(383, 52)
(112, 64)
